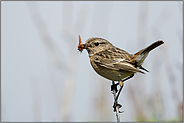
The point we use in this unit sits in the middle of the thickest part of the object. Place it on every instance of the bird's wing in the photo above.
(116, 64)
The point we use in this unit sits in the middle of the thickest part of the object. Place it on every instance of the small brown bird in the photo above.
(113, 63)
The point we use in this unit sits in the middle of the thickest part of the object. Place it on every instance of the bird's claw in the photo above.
(121, 111)
(115, 105)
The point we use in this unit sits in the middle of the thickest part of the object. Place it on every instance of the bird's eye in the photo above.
(96, 44)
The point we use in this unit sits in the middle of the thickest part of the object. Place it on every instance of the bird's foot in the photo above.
(117, 105)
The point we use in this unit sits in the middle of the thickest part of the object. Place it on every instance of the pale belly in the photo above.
(114, 75)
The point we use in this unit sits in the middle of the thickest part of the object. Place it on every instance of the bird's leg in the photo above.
(121, 84)
(116, 106)
(116, 98)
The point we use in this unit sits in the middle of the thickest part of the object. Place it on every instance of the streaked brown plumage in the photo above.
(114, 63)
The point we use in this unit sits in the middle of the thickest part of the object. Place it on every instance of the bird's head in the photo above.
(94, 45)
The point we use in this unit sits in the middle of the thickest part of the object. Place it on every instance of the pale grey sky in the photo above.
(44, 78)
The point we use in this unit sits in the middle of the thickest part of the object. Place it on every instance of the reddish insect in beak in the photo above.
(81, 46)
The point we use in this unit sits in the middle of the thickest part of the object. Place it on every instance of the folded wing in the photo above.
(117, 64)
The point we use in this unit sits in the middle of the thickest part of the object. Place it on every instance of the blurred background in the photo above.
(45, 78)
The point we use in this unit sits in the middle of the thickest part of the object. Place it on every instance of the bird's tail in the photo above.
(151, 47)
(140, 56)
